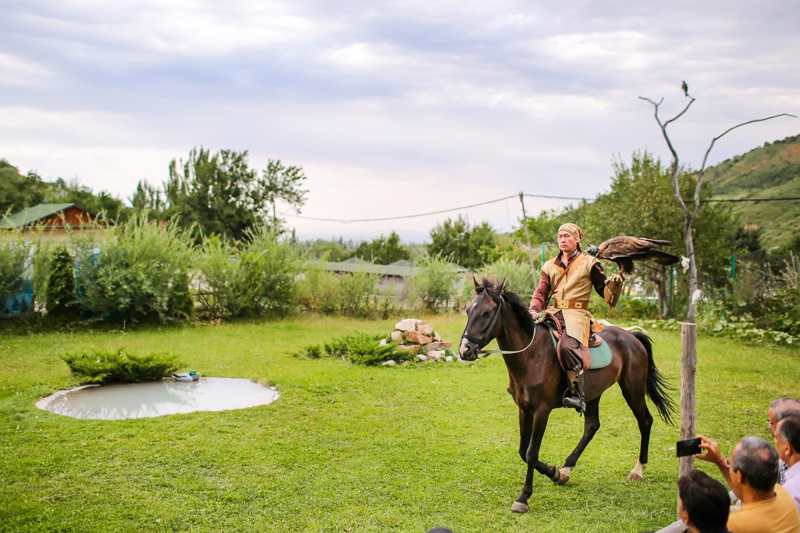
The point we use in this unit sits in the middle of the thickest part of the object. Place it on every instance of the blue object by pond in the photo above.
(19, 302)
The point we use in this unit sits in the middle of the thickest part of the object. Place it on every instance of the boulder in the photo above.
(383, 342)
(433, 345)
(449, 359)
(445, 345)
(413, 349)
(436, 354)
(409, 324)
(397, 336)
(425, 329)
(417, 338)
(436, 337)
(422, 357)
(390, 362)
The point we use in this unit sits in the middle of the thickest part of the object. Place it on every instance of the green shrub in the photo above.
(120, 366)
(255, 278)
(14, 254)
(360, 349)
(436, 282)
(141, 272)
(517, 274)
(355, 290)
(61, 286)
(319, 289)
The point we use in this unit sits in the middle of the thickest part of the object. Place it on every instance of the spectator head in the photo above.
(754, 464)
(703, 502)
(779, 406)
(787, 435)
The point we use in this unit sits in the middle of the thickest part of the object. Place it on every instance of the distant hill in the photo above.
(770, 171)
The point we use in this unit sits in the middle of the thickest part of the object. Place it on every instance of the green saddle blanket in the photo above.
(601, 355)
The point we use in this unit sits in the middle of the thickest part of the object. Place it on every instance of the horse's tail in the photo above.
(657, 386)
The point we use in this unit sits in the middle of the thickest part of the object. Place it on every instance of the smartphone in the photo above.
(688, 447)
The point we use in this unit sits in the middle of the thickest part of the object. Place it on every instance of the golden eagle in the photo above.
(625, 250)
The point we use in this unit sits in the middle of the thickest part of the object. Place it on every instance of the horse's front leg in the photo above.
(525, 429)
(540, 417)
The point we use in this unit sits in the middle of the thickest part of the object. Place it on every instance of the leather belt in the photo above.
(571, 304)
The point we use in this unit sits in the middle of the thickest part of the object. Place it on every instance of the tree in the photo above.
(382, 250)
(470, 247)
(18, 191)
(691, 214)
(283, 183)
(641, 203)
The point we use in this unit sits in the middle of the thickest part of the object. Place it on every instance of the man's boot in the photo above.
(573, 397)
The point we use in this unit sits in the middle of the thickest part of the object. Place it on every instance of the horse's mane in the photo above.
(514, 301)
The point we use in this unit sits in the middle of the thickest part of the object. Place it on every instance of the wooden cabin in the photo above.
(54, 220)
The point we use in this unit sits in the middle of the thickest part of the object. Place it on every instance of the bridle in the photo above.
(483, 354)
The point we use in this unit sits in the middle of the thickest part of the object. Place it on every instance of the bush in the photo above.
(120, 366)
(319, 289)
(14, 255)
(61, 286)
(517, 274)
(253, 279)
(142, 272)
(354, 291)
(436, 283)
(361, 349)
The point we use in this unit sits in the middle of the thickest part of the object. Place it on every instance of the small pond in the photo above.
(157, 398)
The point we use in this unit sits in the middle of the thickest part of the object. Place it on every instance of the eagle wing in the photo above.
(624, 250)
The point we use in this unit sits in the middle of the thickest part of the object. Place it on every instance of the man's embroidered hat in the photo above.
(572, 229)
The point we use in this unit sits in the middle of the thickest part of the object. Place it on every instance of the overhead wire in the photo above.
(550, 197)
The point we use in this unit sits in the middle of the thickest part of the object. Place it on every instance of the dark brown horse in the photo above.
(537, 383)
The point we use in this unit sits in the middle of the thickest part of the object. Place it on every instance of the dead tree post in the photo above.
(689, 329)
(528, 236)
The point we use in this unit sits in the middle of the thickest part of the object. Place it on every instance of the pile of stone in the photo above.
(420, 338)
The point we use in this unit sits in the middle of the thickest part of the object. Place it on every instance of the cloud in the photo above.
(391, 107)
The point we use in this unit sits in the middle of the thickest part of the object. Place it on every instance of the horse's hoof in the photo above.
(519, 507)
(633, 476)
(563, 476)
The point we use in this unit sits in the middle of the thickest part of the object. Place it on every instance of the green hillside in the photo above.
(770, 171)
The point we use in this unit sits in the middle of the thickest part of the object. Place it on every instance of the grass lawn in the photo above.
(346, 448)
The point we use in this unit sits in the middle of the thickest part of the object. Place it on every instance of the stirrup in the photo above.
(573, 400)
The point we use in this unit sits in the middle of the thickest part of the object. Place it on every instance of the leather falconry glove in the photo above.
(613, 289)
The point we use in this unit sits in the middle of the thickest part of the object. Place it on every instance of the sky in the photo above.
(391, 108)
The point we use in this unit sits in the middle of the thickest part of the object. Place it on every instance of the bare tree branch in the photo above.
(705, 158)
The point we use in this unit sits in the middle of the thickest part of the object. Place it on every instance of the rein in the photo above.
(483, 354)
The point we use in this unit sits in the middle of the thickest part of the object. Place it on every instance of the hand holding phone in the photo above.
(688, 447)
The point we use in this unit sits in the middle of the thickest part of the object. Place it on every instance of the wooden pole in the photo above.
(528, 236)
(688, 370)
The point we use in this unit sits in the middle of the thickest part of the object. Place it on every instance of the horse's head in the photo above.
(483, 318)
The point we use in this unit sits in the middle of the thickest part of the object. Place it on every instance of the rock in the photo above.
(421, 357)
(445, 345)
(436, 337)
(413, 349)
(436, 354)
(433, 345)
(383, 342)
(397, 336)
(409, 324)
(461, 360)
(425, 329)
(449, 359)
(417, 338)
(390, 362)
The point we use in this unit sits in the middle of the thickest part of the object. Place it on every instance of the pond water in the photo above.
(157, 398)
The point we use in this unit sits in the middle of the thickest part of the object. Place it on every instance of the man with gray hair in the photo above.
(752, 474)
(787, 443)
(776, 408)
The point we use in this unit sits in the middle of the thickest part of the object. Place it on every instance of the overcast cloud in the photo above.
(391, 107)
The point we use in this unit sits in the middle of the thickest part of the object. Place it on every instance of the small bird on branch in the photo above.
(685, 88)
(625, 250)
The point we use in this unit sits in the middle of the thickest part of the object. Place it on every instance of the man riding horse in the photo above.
(570, 277)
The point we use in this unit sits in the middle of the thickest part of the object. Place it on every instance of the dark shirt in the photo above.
(540, 295)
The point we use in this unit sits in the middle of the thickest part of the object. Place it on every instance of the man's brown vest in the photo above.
(571, 294)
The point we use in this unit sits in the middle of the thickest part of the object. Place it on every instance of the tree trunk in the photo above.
(692, 268)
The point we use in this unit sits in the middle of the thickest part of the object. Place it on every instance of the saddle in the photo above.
(595, 341)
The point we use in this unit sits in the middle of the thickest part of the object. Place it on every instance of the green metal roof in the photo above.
(28, 216)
